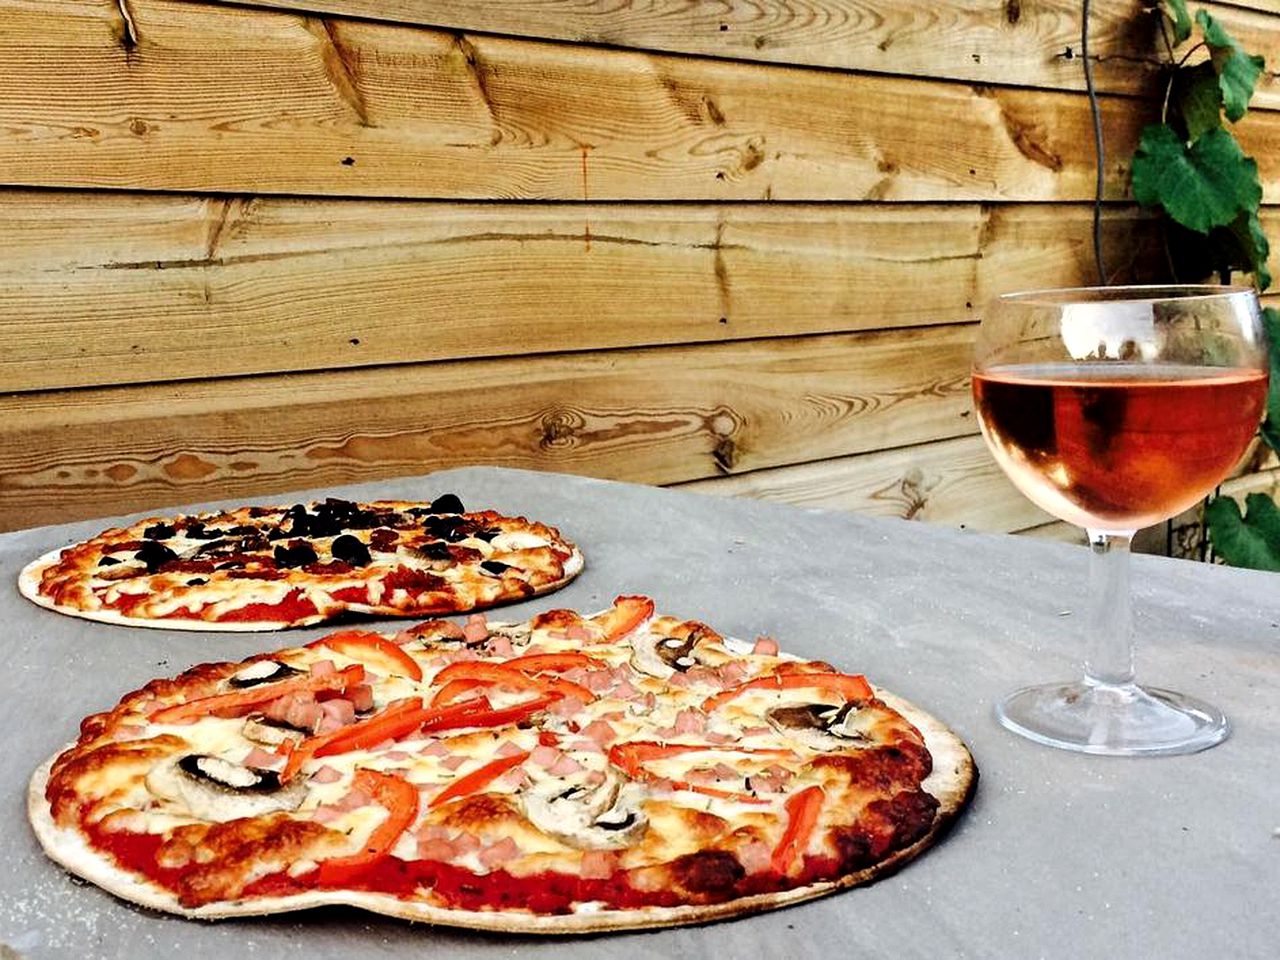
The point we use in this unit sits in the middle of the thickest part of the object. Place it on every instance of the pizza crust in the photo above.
(29, 580)
(952, 782)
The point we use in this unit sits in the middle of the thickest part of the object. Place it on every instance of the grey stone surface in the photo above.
(1060, 855)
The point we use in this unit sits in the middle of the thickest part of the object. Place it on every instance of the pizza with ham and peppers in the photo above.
(566, 774)
(264, 568)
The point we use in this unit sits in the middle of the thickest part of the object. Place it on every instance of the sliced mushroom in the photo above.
(211, 788)
(264, 730)
(261, 671)
(434, 555)
(663, 656)
(821, 726)
(603, 817)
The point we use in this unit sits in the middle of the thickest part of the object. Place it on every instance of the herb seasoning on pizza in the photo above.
(264, 568)
(566, 774)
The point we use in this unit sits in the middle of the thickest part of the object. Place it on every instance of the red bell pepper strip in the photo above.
(246, 700)
(499, 674)
(401, 802)
(478, 778)
(626, 614)
(455, 690)
(803, 809)
(373, 650)
(849, 686)
(386, 719)
(480, 716)
(553, 662)
(392, 724)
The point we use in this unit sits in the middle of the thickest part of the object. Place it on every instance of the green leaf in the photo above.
(1199, 100)
(1253, 247)
(1181, 20)
(1238, 72)
(1202, 186)
(1271, 425)
(1252, 540)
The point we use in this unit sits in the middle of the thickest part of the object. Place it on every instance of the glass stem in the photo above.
(1109, 646)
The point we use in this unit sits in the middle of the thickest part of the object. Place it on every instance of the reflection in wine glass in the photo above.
(1114, 409)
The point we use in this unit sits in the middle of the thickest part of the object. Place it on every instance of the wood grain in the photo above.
(953, 482)
(658, 415)
(99, 288)
(211, 98)
(1025, 44)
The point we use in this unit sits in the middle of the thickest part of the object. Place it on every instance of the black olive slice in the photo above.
(298, 556)
(487, 535)
(351, 550)
(197, 582)
(448, 503)
(195, 531)
(158, 531)
(435, 550)
(154, 555)
(495, 567)
(107, 561)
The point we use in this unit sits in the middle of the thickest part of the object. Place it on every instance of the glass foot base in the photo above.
(1123, 721)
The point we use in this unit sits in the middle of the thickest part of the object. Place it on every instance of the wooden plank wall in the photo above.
(735, 246)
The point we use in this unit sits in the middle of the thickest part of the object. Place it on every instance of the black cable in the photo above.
(1099, 153)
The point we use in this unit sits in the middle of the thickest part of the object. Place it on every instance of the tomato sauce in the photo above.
(547, 892)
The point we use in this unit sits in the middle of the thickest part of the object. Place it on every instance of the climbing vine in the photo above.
(1190, 167)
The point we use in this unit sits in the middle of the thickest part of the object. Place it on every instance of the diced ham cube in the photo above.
(712, 737)
(354, 800)
(396, 756)
(584, 746)
(508, 749)
(500, 646)
(326, 774)
(361, 696)
(579, 634)
(326, 814)
(755, 856)
(545, 756)
(594, 778)
(625, 691)
(499, 853)
(336, 714)
(466, 843)
(566, 707)
(436, 849)
(601, 732)
(726, 772)
(513, 780)
(323, 668)
(690, 720)
(453, 763)
(434, 748)
(598, 865)
(733, 673)
(564, 766)
(765, 646)
(755, 731)
(477, 628)
(598, 681)
(260, 759)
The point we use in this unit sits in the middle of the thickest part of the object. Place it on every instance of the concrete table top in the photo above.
(1060, 855)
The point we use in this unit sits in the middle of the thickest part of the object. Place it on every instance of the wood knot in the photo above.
(560, 429)
(1012, 11)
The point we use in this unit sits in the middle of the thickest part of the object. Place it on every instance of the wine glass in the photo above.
(1115, 408)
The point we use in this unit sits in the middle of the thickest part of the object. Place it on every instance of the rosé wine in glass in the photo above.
(1114, 408)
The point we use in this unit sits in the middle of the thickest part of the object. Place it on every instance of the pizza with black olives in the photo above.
(266, 568)
(565, 774)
